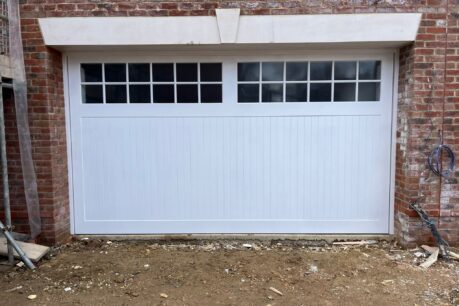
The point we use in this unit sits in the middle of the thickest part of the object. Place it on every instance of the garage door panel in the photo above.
(233, 168)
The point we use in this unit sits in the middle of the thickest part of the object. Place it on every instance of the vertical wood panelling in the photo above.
(308, 168)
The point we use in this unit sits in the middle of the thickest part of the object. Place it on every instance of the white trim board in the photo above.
(391, 29)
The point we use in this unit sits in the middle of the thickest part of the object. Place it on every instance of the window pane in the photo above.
(163, 93)
(92, 93)
(272, 93)
(248, 93)
(321, 71)
(296, 92)
(345, 70)
(297, 71)
(344, 92)
(272, 71)
(211, 93)
(320, 92)
(248, 72)
(369, 70)
(369, 91)
(187, 93)
(139, 72)
(187, 73)
(91, 72)
(115, 93)
(115, 72)
(211, 72)
(163, 72)
(139, 94)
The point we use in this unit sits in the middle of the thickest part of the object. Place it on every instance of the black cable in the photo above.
(442, 243)
(435, 164)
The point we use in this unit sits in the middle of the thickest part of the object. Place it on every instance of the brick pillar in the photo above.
(422, 94)
(47, 127)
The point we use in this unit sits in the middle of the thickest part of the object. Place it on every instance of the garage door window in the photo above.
(255, 82)
(315, 81)
(147, 83)
(91, 80)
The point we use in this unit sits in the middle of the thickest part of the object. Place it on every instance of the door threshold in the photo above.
(329, 238)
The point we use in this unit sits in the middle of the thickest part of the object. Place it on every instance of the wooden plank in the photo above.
(453, 255)
(361, 242)
(275, 291)
(34, 251)
(431, 260)
(429, 249)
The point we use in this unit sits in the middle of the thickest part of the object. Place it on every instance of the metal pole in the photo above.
(6, 190)
(18, 249)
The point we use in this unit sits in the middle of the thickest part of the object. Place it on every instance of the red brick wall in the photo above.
(47, 122)
(428, 104)
(420, 105)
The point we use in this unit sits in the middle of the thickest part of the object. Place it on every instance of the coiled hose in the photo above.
(435, 163)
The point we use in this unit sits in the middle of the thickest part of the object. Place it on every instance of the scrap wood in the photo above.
(432, 258)
(430, 250)
(453, 255)
(387, 281)
(360, 242)
(275, 291)
(34, 251)
(13, 289)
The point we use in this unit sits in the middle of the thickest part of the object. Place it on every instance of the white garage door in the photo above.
(231, 144)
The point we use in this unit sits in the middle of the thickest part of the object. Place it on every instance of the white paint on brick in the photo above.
(440, 23)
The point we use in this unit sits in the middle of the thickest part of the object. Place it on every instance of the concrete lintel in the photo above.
(229, 27)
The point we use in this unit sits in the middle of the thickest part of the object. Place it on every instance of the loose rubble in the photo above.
(276, 272)
(32, 297)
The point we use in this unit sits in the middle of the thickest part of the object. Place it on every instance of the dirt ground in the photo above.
(97, 272)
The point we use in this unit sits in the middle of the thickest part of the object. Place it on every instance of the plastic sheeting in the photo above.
(20, 100)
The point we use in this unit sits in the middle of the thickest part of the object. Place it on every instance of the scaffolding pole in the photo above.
(26, 260)
(6, 230)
